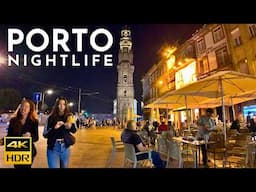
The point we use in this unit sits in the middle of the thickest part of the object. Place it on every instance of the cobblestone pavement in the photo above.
(91, 150)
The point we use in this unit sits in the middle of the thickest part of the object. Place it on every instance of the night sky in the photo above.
(147, 40)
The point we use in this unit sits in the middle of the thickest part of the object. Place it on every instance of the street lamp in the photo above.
(2, 59)
(80, 94)
(168, 51)
(71, 104)
(47, 92)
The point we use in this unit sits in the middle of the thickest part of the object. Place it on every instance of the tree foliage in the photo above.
(9, 99)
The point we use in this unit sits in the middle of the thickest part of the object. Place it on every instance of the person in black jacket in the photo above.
(57, 131)
(235, 125)
(253, 124)
(25, 124)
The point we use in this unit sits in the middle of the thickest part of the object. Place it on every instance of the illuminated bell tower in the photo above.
(125, 69)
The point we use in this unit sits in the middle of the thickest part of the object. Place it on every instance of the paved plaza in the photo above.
(92, 149)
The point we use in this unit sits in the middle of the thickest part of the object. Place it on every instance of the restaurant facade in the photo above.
(213, 48)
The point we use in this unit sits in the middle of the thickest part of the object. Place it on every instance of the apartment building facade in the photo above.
(212, 48)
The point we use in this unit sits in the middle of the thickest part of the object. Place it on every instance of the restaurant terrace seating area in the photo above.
(184, 151)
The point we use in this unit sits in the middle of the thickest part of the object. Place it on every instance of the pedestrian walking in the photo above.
(25, 124)
(58, 131)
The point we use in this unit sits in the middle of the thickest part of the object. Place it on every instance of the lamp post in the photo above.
(47, 92)
(71, 104)
(80, 94)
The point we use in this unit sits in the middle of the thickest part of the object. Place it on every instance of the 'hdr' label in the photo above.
(18, 150)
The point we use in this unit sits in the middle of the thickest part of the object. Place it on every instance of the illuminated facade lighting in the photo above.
(170, 62)
(168, 51)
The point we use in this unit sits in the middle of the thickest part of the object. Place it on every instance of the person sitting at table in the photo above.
(146, 127)
(130, 136)
(252, 124)
(171, 132)
(205, 125)
(185, 125)
(235, 125)
(194, 124)
(155, 125)
(248, 120)
(163, 127)
(150, 130)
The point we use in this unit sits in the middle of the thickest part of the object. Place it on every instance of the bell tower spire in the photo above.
(125, 68)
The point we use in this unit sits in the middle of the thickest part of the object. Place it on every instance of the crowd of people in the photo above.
(88, 122)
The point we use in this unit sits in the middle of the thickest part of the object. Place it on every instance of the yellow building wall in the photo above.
(246, 50)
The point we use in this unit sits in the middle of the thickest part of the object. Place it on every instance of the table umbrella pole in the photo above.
(233, 109)
(223, 110)
(167, 115)
(186, 103)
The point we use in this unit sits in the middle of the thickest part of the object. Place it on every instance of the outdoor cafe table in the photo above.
(196, 144)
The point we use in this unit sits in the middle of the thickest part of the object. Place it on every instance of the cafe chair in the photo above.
(218, 147)
(162, 147)
(242, 154)
(117, 146)
(131, 156)
(251, 152)
(176, 153)
(144, 136)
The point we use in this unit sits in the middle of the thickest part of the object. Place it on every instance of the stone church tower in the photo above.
(125, 68)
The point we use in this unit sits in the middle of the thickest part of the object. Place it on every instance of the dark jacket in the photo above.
(252, 127)
(52, 134)
(235, 125)
(29, 126)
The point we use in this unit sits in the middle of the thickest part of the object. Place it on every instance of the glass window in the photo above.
(236, 37)
(222, 57)
(201, 45)
(244, 68)
(252, 30)
(204, 66)
(218, 34)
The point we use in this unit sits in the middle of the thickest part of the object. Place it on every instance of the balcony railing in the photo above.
(228, 65)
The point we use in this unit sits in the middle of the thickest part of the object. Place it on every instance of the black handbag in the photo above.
(69, 139)
(34, 151)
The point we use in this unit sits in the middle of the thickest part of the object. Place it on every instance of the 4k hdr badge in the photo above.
(18, 150)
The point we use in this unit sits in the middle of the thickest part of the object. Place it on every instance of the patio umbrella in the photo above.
(230, 100)
(219, 85)
(191, 99)
(162, 105)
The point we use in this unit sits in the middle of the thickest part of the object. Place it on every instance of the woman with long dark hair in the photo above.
(57, 132)
(25, 124)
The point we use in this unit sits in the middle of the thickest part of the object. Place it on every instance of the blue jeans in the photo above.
(59, 156)
(157, 161)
